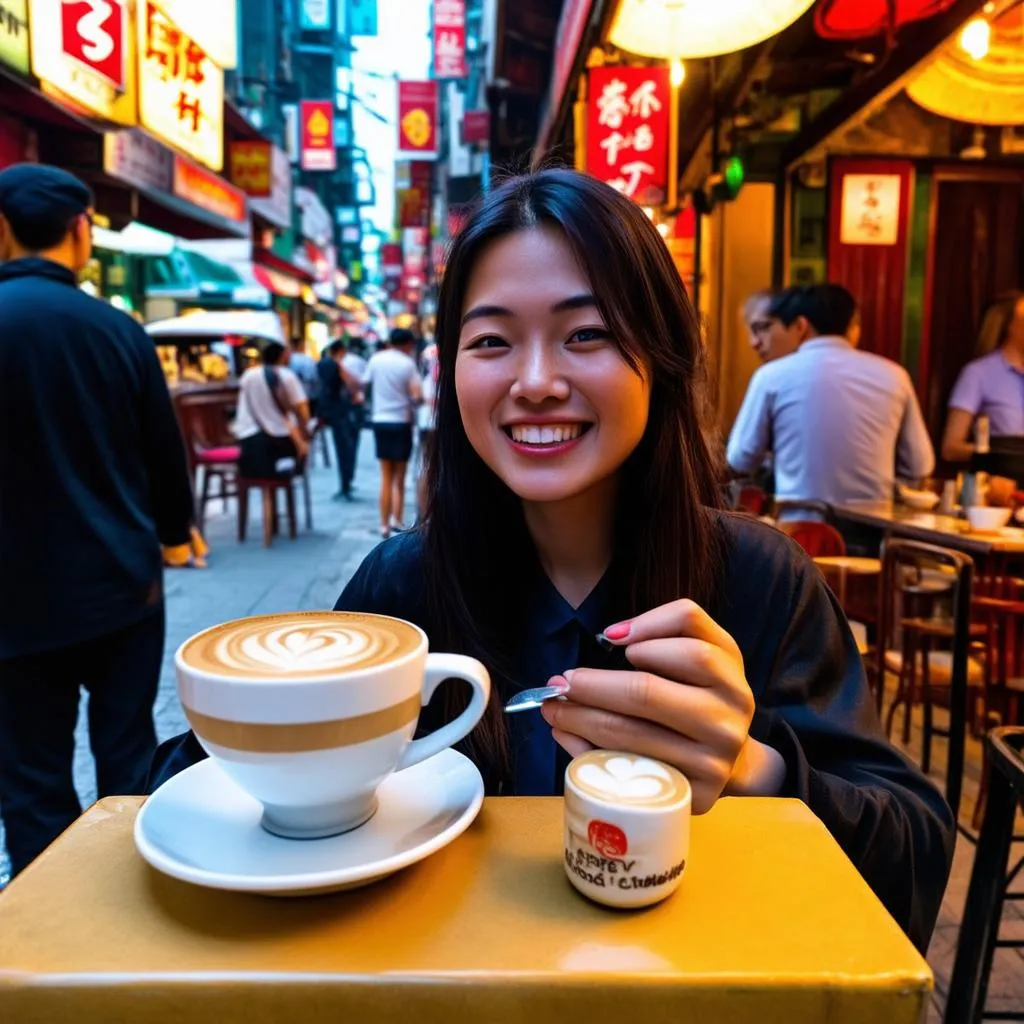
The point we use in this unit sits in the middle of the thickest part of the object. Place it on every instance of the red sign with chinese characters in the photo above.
(417, 119)
(628, 130)
(95, 32)
(317, 129)
(449, 38)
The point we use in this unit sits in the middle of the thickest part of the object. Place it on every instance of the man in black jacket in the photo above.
(93, 478)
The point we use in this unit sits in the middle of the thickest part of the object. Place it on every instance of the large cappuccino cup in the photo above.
(309, 712)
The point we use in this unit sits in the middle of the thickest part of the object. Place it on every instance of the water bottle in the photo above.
(982, 436)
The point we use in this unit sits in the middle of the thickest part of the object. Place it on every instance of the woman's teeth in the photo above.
(556, 433)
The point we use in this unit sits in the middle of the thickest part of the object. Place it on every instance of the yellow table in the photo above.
(771, 924)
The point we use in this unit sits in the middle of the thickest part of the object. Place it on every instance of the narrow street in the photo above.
(248, 579)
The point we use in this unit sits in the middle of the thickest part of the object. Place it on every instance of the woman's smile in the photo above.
(546, 438)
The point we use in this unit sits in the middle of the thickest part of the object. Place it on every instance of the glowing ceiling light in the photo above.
(677, 73)
(976, 38)
(700, 28)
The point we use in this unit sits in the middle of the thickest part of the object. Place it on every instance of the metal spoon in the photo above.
(527, 700)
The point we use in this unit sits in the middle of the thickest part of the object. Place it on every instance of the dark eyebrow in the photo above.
(584, 301)
(575, 302)
(482, 311)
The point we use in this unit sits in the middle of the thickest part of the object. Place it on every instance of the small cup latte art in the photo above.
(627, 828)
(634, 780)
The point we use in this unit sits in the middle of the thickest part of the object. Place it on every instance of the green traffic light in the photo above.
(734, 175)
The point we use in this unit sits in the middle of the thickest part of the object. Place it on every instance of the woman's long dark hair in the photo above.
(477, 548)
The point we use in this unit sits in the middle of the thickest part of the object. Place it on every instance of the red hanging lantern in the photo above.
(862, 19)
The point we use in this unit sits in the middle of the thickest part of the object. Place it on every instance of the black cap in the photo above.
(31, 192)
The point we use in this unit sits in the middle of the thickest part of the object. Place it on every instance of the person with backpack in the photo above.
(272, 419)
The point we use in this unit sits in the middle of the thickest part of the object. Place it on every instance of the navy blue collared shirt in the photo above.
(560, 637)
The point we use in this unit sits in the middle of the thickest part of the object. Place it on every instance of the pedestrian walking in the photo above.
(93, 478)
(354, 363)
(340, 392)
(394, 381)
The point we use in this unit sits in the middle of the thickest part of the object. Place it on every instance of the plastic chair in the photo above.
(990, 882)
(204, 420)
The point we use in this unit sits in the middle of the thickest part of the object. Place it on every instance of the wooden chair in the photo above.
(991, 878)
(1003, 703)
(269, 490)
(925, 639)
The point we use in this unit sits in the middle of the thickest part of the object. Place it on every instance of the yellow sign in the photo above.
(85, 58)
(14, 34)
(416, 125)
(213, 24)
(181, 90)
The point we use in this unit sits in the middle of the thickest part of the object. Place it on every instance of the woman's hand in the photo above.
(688, 704)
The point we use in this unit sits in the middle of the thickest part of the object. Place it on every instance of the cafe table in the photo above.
(931, 528)
(771, 925)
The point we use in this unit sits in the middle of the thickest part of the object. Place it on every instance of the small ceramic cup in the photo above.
(627, 828)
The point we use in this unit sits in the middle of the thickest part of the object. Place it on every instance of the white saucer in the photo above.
(200, 827)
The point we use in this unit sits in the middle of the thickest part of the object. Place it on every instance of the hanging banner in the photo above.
(250, 165)
(277, 206)
(362, 17)
(14, 34)
(476, 127)
(181, 90)
(450, 39)
(412, 202)
(628, 130)
(417, 120)
(85, 58)
(316, 129)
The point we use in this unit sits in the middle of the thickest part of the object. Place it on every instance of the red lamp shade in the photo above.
(862, 19)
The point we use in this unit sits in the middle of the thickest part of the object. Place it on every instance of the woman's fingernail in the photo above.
(561, 683)
(619, 631)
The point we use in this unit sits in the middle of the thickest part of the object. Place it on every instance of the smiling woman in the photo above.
(572, 492)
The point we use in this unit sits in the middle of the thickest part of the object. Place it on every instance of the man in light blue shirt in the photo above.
(842, 424)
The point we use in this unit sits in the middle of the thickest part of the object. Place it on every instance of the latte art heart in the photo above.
(627, 778)
(300, 644)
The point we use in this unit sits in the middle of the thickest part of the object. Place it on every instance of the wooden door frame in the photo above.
(941, 174)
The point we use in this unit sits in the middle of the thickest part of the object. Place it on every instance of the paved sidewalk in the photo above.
(248, 579)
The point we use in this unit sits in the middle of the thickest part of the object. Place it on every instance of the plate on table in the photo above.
(200, 827)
